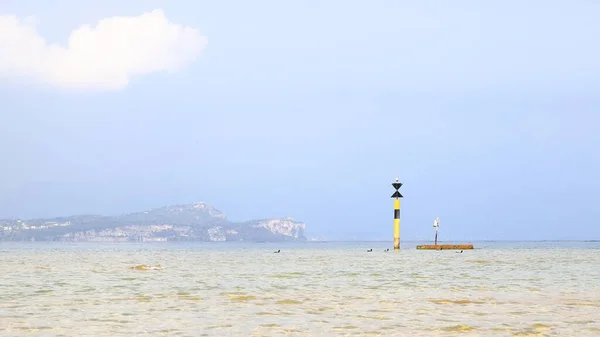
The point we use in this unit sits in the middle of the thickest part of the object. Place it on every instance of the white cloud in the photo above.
(104, 57)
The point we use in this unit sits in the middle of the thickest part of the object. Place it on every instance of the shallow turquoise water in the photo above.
(309, 289)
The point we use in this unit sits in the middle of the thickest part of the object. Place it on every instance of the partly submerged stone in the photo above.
(147, 267)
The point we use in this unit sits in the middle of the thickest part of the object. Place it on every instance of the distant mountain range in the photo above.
(192, 222)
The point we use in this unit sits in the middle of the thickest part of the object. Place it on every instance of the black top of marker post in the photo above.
(397, 186)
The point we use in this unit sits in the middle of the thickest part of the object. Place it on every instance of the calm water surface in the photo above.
(313, 289)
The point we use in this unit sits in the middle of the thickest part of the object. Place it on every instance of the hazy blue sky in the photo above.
(488, 111)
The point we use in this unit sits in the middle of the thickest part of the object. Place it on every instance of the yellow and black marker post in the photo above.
(397, 197)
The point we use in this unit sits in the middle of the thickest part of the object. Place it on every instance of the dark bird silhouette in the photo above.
(277, 251)
(387, 250)
(369, 250)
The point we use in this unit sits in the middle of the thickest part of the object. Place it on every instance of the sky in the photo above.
(487, 111)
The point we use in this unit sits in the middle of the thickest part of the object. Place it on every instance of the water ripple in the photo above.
(197, 291)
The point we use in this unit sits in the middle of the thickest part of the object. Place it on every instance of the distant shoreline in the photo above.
(285, 242)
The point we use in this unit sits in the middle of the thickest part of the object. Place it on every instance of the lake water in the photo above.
(312, 289)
